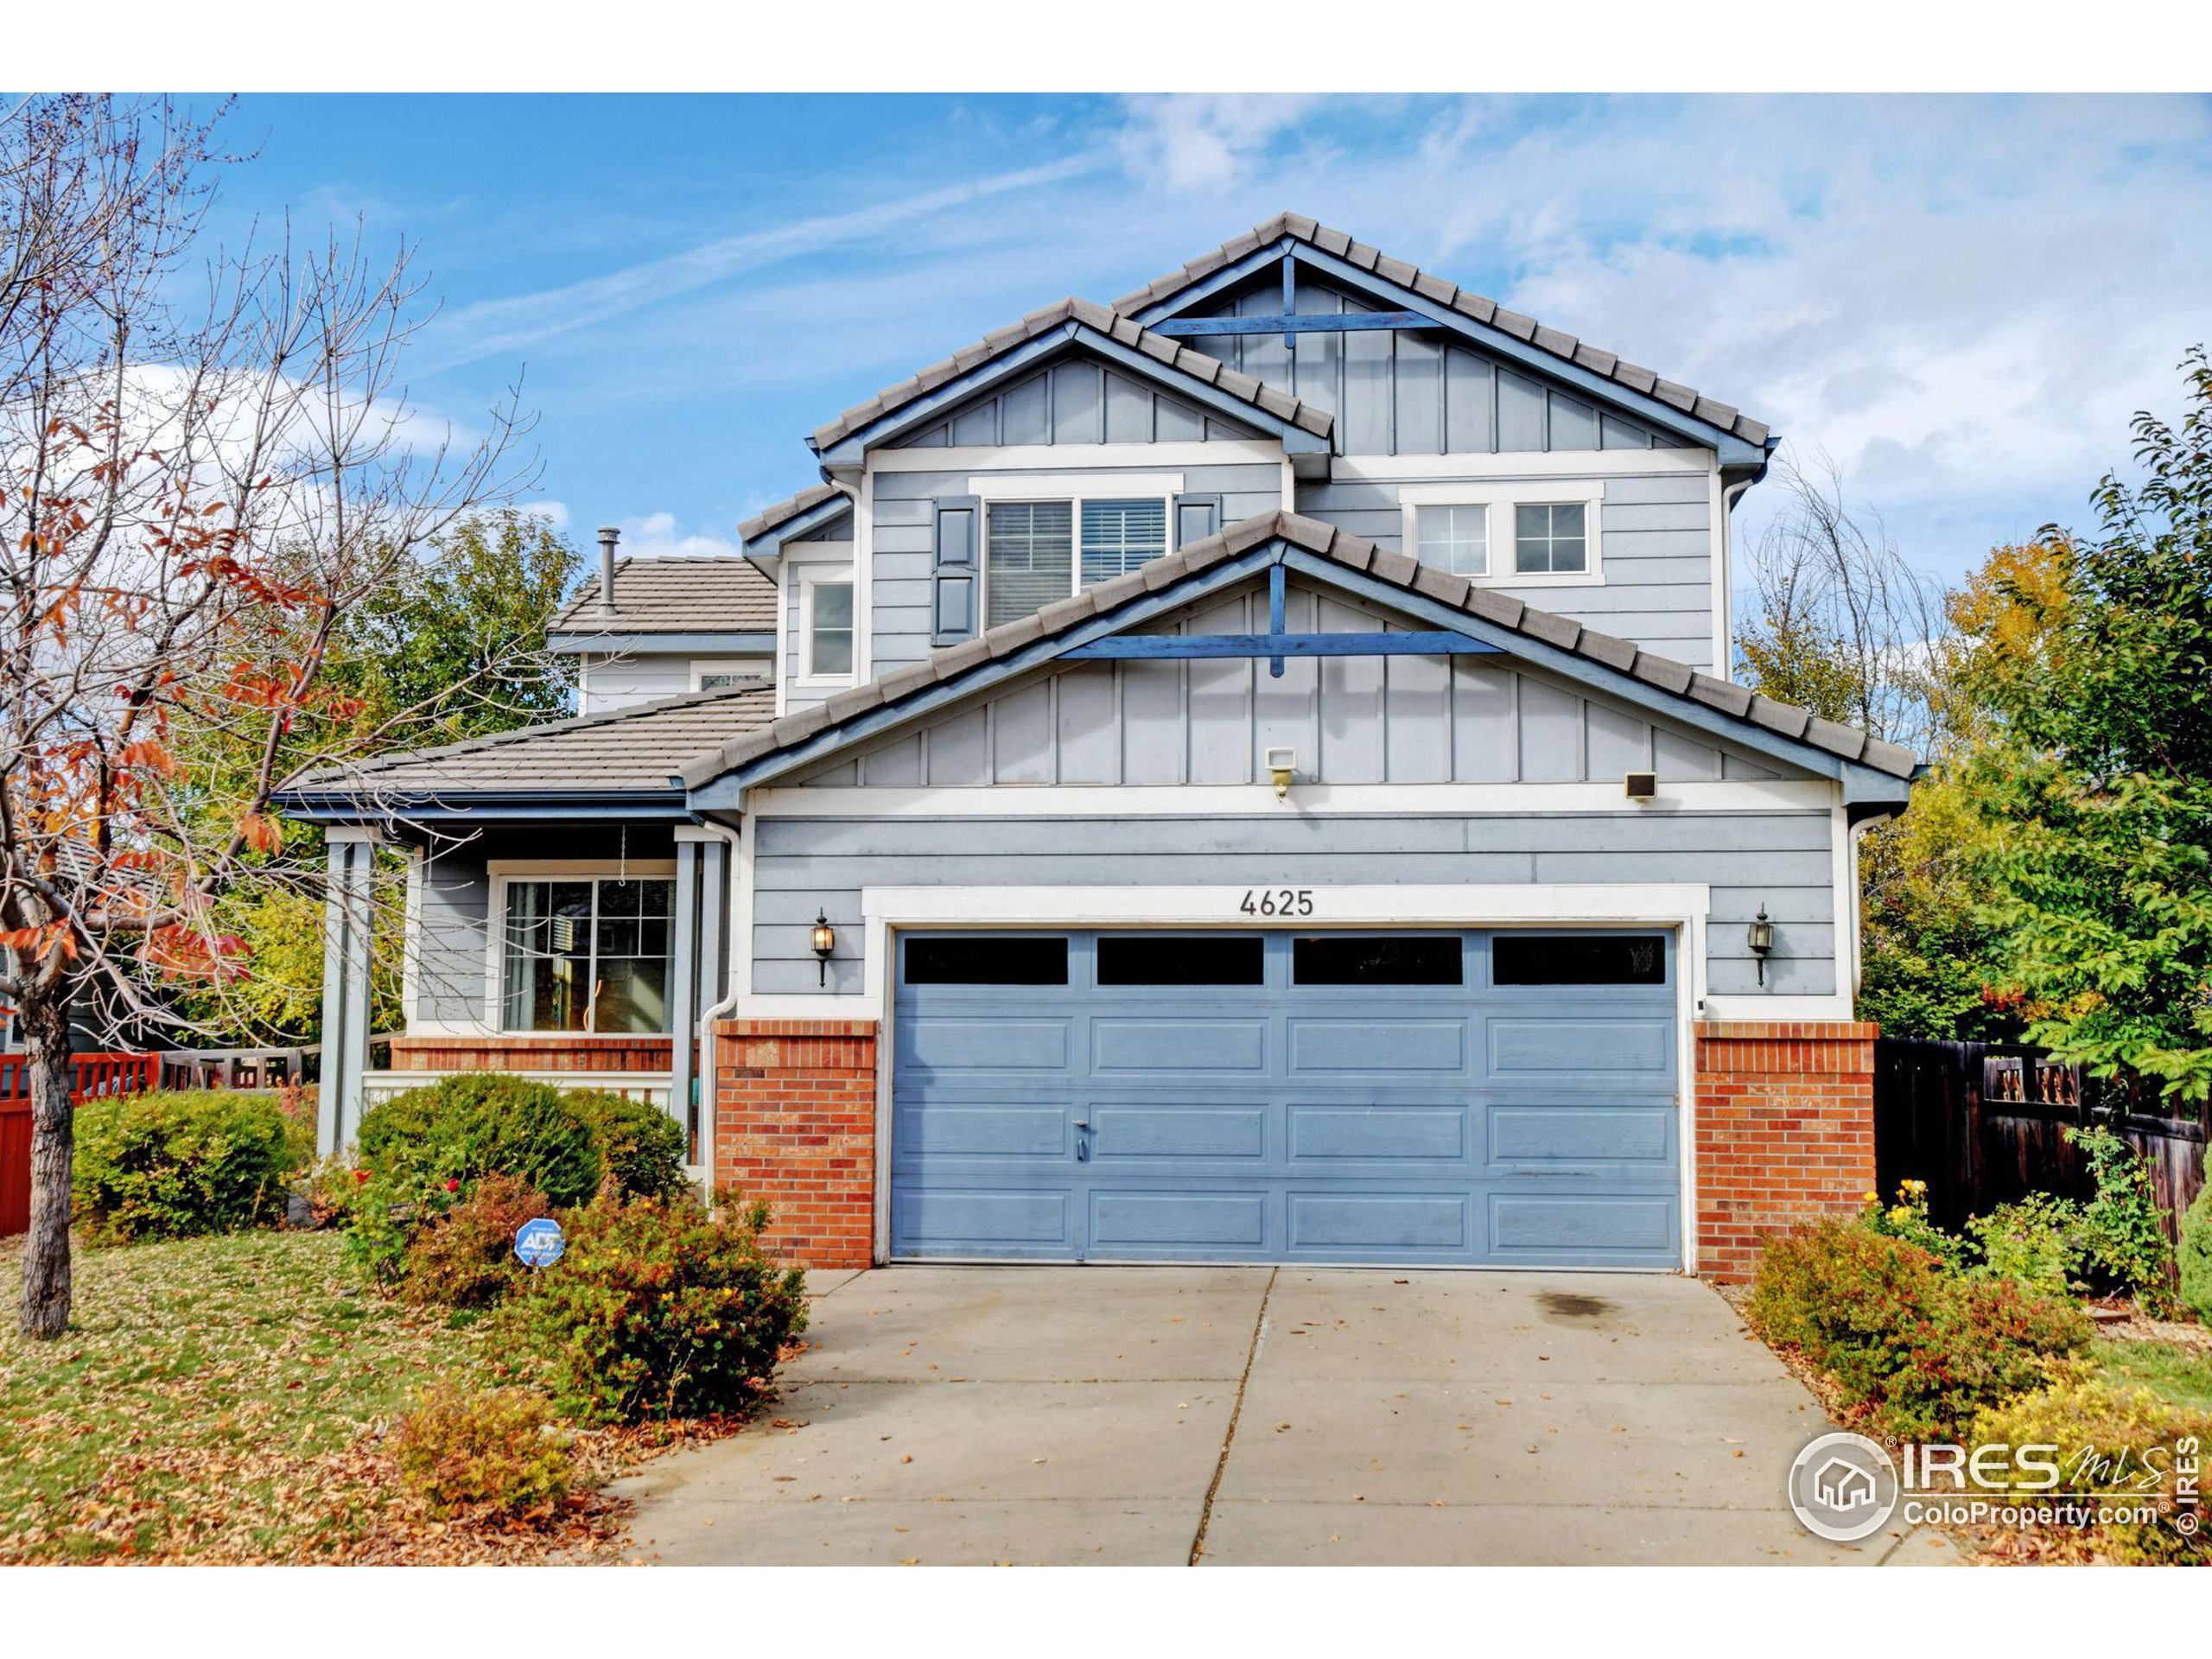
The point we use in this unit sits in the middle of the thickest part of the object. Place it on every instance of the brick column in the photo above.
(1785, 1131)
(794, 1116)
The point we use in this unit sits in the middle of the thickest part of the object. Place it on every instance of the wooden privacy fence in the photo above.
(96, 1075)
(1984, 1123)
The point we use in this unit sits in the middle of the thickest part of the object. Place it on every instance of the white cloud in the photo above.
(1192, 142)
(656, 536)
(554, 515)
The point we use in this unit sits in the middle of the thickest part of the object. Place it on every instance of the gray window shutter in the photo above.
(956, 524)
(1196, 517)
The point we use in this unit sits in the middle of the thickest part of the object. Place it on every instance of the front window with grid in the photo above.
(586, 955)
(1454, 538)
(1549, 538)
(1032, 550)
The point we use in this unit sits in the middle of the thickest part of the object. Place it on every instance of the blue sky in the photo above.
(1959, 301)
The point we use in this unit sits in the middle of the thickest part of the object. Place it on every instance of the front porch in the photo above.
(637, 1068)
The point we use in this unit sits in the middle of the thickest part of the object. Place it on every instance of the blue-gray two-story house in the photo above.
(1248, 772)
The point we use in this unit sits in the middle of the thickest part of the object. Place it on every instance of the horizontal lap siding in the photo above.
(1781, 860)
(899, 604)
(1658, 553)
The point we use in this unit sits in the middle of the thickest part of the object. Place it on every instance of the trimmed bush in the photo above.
(641, 1147)
(1914, 1347)
(492, 1453)
(466, 1257)
(2196, 1256)
(479, 1123)
(165, 1166)
(662, 1310)
(2109, 1439)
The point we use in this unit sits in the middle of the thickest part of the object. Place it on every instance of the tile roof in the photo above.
(1171, 352)
(1676, 679)
(1565, 346)
(642, 748)
(677, 595)
(784, 512)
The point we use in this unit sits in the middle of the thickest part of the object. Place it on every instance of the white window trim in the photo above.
(809, 581)
(1500, 498)
(500, 873)
(1074, 489)
(763, 669)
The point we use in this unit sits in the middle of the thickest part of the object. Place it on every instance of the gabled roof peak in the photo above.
(1565, 346)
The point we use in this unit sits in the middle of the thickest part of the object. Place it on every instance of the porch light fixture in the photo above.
(825, 941)
(1760, 937)
(1281, 766)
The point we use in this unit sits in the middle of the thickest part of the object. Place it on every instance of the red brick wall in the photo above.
(531, 1052)
(1785, 1131)
(795, 1124)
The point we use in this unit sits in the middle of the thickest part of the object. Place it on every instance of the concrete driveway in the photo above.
(1165, 1415)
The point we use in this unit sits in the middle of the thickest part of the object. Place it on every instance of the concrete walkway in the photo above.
(1250, 1416)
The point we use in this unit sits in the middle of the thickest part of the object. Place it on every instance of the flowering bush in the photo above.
(1908, 1220)
(2036, 1242)
(1917, 1348)
(662, 1310)
(466, 1257)
(2109, 1439)
(494, 1452)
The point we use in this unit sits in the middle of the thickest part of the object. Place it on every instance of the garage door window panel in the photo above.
(1578, 959)
(1182, 960)
(988, 959)
(1355, 959)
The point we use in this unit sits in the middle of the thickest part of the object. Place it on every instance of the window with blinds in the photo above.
(1119, 535)
(1029, 558)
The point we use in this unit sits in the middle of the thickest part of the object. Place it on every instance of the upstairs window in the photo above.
(1454, 538)
(1035, 552)
(1550, 538)
(828, 618)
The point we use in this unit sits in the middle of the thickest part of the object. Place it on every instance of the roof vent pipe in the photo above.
(608, 535)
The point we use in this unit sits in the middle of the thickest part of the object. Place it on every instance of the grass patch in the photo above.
(217, 1399)
(2181, 1376)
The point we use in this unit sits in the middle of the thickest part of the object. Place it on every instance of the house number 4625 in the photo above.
(1277, 901)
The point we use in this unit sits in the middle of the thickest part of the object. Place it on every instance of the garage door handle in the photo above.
(1081, 1142)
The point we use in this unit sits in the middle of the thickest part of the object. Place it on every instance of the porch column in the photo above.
(702, 865)
(347, 919)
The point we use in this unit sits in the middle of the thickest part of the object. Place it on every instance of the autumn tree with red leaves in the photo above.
(206, 461)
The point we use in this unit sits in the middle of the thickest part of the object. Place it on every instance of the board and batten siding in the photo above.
(1350, 720)
(1409, 392)
(901, 558)
(1782, 860)
(1655, 536)
(1077, 401)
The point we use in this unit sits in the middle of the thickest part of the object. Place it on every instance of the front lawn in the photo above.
(2182, 1375)
(226, 1399)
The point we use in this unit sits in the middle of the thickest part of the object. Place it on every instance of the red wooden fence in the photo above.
(97, 1074)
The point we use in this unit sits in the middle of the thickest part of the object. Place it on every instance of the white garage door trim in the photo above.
(1681, 906)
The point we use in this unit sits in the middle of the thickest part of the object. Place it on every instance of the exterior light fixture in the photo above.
(1282, 767)
(825, 941)
(1760, 937)
(1640, 786)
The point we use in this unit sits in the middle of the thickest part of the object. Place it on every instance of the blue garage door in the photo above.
(1504, 1098)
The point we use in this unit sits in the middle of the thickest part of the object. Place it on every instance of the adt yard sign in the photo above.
(538, 1244)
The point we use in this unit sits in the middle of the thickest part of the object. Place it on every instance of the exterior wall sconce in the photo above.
(1760, 937)
(1281, 766)
(825, 941)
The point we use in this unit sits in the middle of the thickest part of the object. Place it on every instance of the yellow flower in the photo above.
(1874, 1198)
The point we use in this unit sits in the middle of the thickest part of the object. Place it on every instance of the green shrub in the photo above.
(1917, 1348)
(2196, 1256)
(662, 1310)
(162, 1165)
(465, 1258)
(479, 1123)
(2036, 1242)
(641, 1147)
(2109, 1439)
(2124, 1233)
(492, 1453)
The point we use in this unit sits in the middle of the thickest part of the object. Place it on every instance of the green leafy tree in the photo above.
(2097, 786)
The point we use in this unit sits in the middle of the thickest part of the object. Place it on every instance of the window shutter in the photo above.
(957, 527)
(1196, 517)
